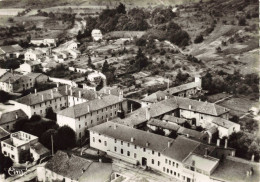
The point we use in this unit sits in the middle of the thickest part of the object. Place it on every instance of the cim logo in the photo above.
(14, 171)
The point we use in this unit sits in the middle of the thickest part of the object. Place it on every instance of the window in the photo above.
(174, 173)
(79, 126)
(91, 113)
(173, 163)
(11, 148)
(97, 111)
(152, 152)
(102, 117)
(91, 121)
(12, 156)
(177, 165)
(115, 106)
(7, 127)
(40, 105)
(115, 112)
(201, 117)
(99, 141)
(163, 169)
(171, 172)
(105, 143)
(111, 114)
(97, 119)
(115, 140)
(135, 147)
(115, 149)
(170, 162)
(152, 161)
(167, 170)
(134, 155)
(159, 154)
(93, 139)
(122, 142)
(144, 149)
(166, 161)
(122, 151)
(158, 163)
(128, 153)
(178, 175)
(128, 144)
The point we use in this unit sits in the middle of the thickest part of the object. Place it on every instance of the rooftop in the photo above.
(192, 133)
(93, 105)
(174, 119)
(163, 124)
(183, 87)
(155, 97)
(10, 49)
(9, 77)
(39, 148)
(223, 122)
(78, 169)
(12, 116)
(3, 133)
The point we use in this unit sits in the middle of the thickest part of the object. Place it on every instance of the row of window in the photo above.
(10, 155)
(171, 163)
(46, 102)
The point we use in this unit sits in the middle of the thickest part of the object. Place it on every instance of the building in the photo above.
(194, 112)
(8, 119)
(30, 66)
(38, 151)
(88, 114)
(181, 158)
(225, 127)
(96, 35)
(12, 82)
(154, 97)
(17, 145)
(69, 167)
(44, 41)
(36, 54)
(11, 51)
(70, 45)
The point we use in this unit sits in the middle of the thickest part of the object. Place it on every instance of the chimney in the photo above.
(132, 139)
(131, 106)
(51, 93)
(166, 97)
(109, 92)
(147, 144)
(79, 94)
(206, 152)
(88, 108)
(42, 98)
(199, 100)
(160, 98)
(189, 107)
(115, 126)
(121, 95)
(218, 142)
(187, 135)
(147, 113)
(253, 158)
(57, 84)
(16, 116)
(169, 144)
(226, 142)
(209, 140)
(66, 89)
(100, 160)
(105, 90)
(71, 93)
(193, 163)
(35, 91)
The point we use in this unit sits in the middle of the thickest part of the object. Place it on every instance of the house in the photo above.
(97, 76)
(154, 97)
(225, 127)
(173, 119)
(30, 66)
(17, 83)
(44, 41)
(8, 119)
(70, 45)
(182, 158)
(11, 51)
(96, 34)
(69, 167)
(38, 151)
(80, 117)
(18, 145)
(36, 54)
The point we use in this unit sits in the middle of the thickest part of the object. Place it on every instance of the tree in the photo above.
(141, 60)
(198, 39)
(6, 163)
(45, 138)
(66, 138)
(4, 96)
(242, 21)
(105, 67)
(35, 118)
(121, 9)
(50, 114)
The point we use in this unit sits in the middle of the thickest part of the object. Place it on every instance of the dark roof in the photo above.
(9, 77)
(11, 116)
(183, 87)
(192, 133)
(10, 49)
(77, 168)
(223, 122)
(233, 170)
(3, 133)
(39, 148)
(174, 119)
(35, 75)
(112, 90)
(163, 124)
(94, 105)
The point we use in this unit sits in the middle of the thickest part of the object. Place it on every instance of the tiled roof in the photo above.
(11, 48)
(141, 138)
(94, 105)
(34, 75)
(3, 133)
(78, 169)
(12, 78)
(179, 149)
(11, 116)
(183, 87)
(201, 107)
(33, 62)
(39, 148)
(155, 97)
(174, 119)
(39, 97)
(163, 124)
(3, 71)
(223, 122)
(112, 90)
(236, 171)
(192, 133)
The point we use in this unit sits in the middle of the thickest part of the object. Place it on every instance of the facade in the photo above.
(88, 114)
(72, 168)
(17, 145)
(8, 119)
(11, 51)
(35, 54)
(96, 35)
(45, 41)
(30, 66)
(182, 158)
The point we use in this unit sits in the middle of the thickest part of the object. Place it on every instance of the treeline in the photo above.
(231, 83)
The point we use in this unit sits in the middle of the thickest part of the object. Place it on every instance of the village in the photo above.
(83, 102)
